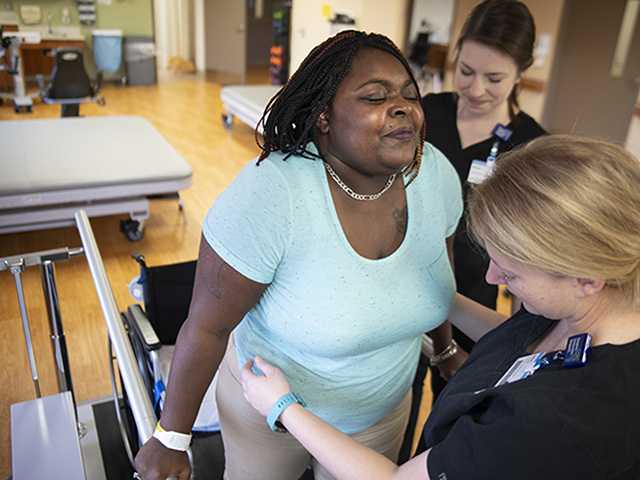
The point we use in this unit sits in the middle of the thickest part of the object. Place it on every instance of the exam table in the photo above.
(104, 165)
(247, 102)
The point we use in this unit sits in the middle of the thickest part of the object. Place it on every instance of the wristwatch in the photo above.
(280, 406)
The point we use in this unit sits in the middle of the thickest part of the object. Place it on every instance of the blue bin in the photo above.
(107, 50)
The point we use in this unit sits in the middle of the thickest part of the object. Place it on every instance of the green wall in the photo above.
(133, 17)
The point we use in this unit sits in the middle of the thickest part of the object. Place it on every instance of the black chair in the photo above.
(70, 85)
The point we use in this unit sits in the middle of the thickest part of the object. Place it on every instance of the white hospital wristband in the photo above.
(173, 440)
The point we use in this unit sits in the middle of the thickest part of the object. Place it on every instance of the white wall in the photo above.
(633, 136)
(309, 26)
(438, 14)
(199, 35)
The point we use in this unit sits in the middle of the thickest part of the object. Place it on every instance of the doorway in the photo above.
(238, 42)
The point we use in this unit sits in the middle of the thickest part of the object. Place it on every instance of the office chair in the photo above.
(70, 85)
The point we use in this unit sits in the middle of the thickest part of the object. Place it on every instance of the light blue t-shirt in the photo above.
(346, 330)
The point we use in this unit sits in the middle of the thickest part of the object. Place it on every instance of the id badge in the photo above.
(522, 368)
(479, 172)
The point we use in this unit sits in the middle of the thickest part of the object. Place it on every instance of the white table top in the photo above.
(69, 153)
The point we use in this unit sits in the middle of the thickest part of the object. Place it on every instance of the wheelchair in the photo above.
(152, 332)
(166, 293)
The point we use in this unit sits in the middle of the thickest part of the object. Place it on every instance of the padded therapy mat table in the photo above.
(247, 102)
(105, 165)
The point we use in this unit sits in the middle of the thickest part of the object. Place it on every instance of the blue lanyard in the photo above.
(501, 134)
(493, 153)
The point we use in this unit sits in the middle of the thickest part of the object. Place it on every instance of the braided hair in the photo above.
(288, 122)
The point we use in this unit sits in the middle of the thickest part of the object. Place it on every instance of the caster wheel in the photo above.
(227, 121)
(132, 230)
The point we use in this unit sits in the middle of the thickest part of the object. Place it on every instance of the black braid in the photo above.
(288, 122)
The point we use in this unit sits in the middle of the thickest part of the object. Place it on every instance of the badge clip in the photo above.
(501, 132)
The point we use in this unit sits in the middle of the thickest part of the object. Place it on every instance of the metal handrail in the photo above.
(38, 258)
(141, 407)
(17, 264)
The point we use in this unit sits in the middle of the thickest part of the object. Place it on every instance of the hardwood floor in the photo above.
(186, 110)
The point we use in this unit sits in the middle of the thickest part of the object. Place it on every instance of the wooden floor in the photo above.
(186, 110)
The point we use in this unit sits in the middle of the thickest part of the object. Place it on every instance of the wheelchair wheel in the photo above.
(227, 120)
(132, 229)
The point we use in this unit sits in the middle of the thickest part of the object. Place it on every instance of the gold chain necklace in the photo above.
(358, 196)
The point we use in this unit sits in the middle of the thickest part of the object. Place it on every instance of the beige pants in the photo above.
(254, 452)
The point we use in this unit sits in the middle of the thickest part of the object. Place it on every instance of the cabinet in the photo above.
(37, 59)
(35, 56)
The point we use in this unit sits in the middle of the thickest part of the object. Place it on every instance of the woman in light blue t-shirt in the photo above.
(327, 257)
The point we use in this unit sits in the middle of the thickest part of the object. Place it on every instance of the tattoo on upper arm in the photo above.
(400, 217)
(222, 332)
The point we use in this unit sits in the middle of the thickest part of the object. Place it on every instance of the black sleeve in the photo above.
(511, 441)
(440, 118)
(437, 105)
(526, 129)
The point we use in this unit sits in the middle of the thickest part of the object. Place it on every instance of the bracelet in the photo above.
(280, 406)
(446, 354)
(173, 440)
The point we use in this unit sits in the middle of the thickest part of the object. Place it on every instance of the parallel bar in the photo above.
(36, 258)
(142, 410)
(58, 341)
(16, 271)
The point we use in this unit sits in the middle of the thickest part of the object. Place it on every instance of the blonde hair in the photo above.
(566, 205)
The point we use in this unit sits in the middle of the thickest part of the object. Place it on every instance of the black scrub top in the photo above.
(559, 423)
(471, 262)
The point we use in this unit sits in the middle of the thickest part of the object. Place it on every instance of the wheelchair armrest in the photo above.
(142, 327)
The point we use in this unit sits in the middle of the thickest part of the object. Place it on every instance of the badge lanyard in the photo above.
(481, 170)
(575, 355)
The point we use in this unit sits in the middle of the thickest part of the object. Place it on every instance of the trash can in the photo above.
(107, 50)
(140, 60)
